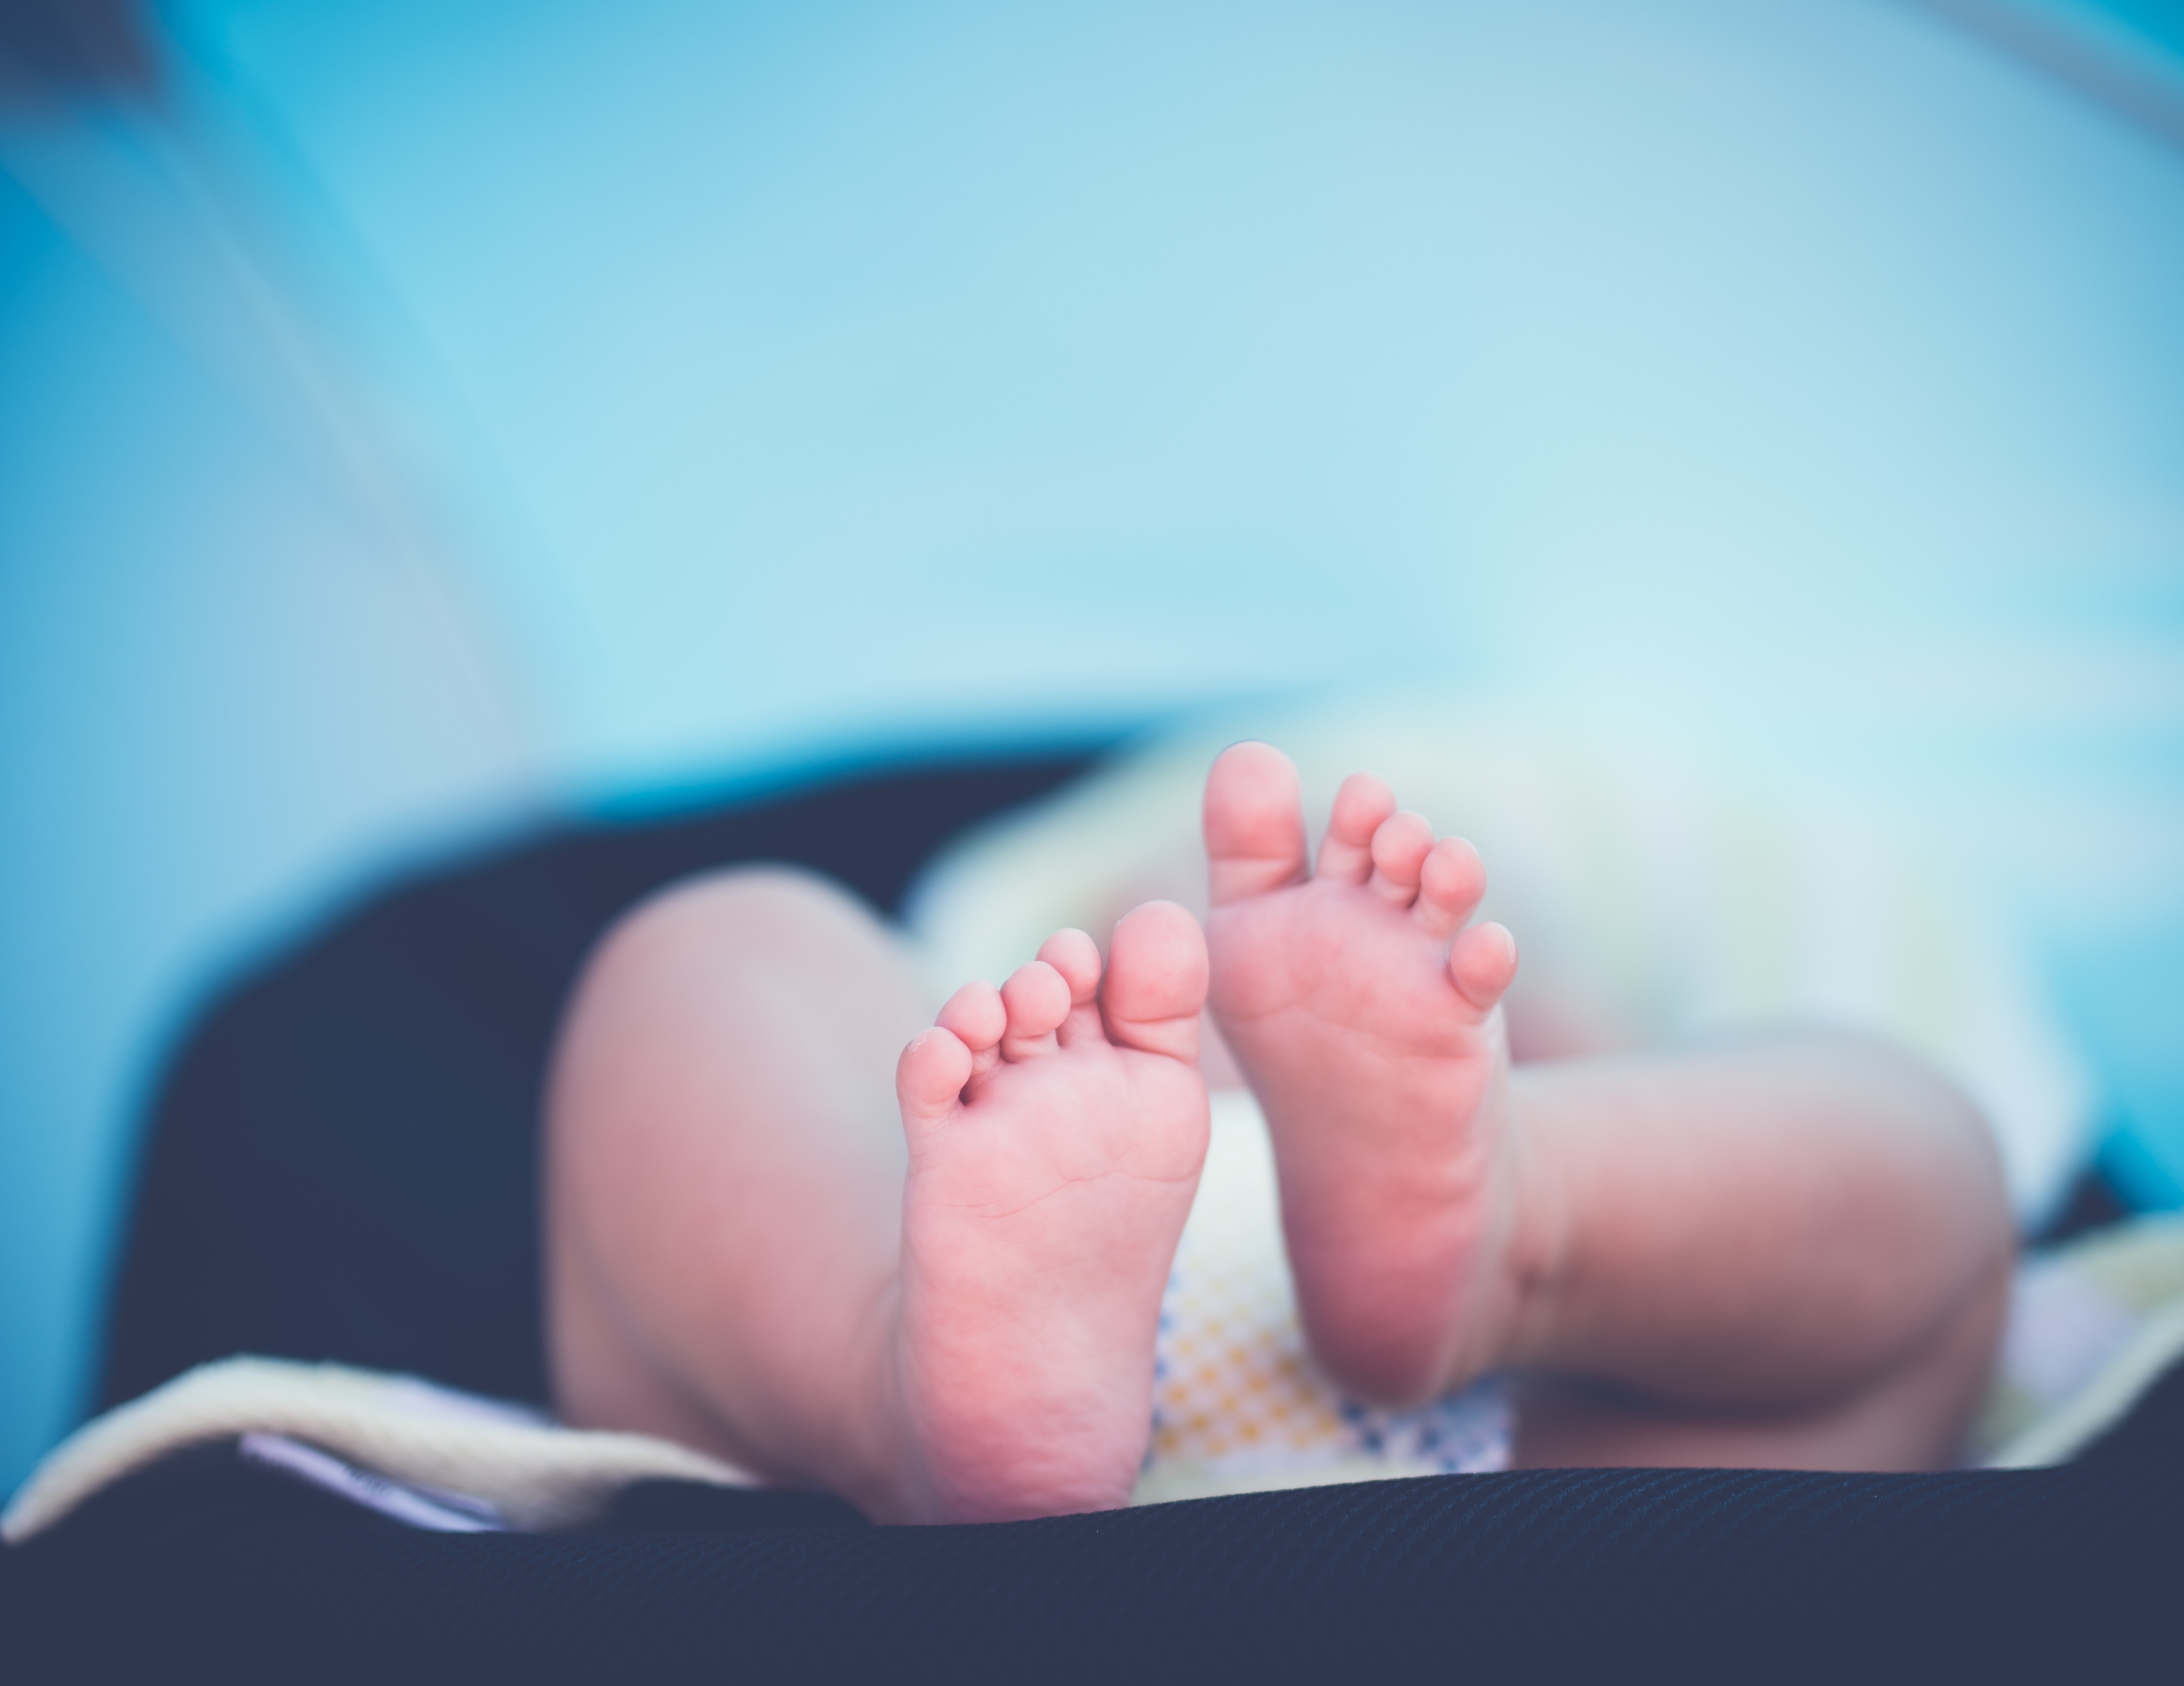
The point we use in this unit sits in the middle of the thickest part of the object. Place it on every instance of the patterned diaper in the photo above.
(1237, 1404)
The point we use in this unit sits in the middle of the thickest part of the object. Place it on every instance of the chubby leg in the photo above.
(1790, 1250)
(929, 1282)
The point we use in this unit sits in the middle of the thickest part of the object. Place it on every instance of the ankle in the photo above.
(1537, 1249)
(877, 1464)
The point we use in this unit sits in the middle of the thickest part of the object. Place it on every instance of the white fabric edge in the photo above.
(2105, 1401)
(537, 1475)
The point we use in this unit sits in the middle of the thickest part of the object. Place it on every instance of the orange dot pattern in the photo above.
(1235, 1389)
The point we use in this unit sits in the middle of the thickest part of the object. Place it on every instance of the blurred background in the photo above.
(418, 420)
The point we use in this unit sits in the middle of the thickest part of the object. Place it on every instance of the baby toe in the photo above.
(929, 1078)
(1254, 818)
(1361, 808)
(974, 1014)
(1400, 848)
(1482, 963)
(1037, 997)
(1156, 982)
(1074, 955)
(1452, 879)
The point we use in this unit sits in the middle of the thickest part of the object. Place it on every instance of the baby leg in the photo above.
(1790, 1250)
(931, 1282)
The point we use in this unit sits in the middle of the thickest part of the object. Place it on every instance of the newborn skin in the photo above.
(793, 1220)
(1366, 1020)
(943, 1304)
(1056, 1130)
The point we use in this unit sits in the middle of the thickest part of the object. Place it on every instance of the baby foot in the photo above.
(1056, 1130)
(1367, 1021)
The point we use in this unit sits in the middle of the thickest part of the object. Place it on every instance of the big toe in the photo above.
(1254, 822)
(1155, 983)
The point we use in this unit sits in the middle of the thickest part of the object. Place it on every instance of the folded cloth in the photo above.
(2092, 1325)
(440, 1444)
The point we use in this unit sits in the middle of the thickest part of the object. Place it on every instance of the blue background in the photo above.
(439, 416)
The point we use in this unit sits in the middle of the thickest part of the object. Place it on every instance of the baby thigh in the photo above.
(723, 1171)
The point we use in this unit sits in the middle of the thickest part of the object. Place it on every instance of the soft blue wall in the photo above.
(2159, 24)
(218, 699)
(1803, 372)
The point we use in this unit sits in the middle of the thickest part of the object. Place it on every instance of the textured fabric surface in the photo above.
(343, 1157)
(208, 1567)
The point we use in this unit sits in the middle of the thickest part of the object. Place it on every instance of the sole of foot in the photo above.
(1366, 1017)
(1057, 1129)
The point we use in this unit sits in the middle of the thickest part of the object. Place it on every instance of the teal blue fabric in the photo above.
(2159, 23)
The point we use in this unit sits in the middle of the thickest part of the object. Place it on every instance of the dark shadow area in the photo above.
(2093, 1202)
(58, 49)
(207, 1566)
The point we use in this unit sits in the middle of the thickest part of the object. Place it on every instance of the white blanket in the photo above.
(530, 1472)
